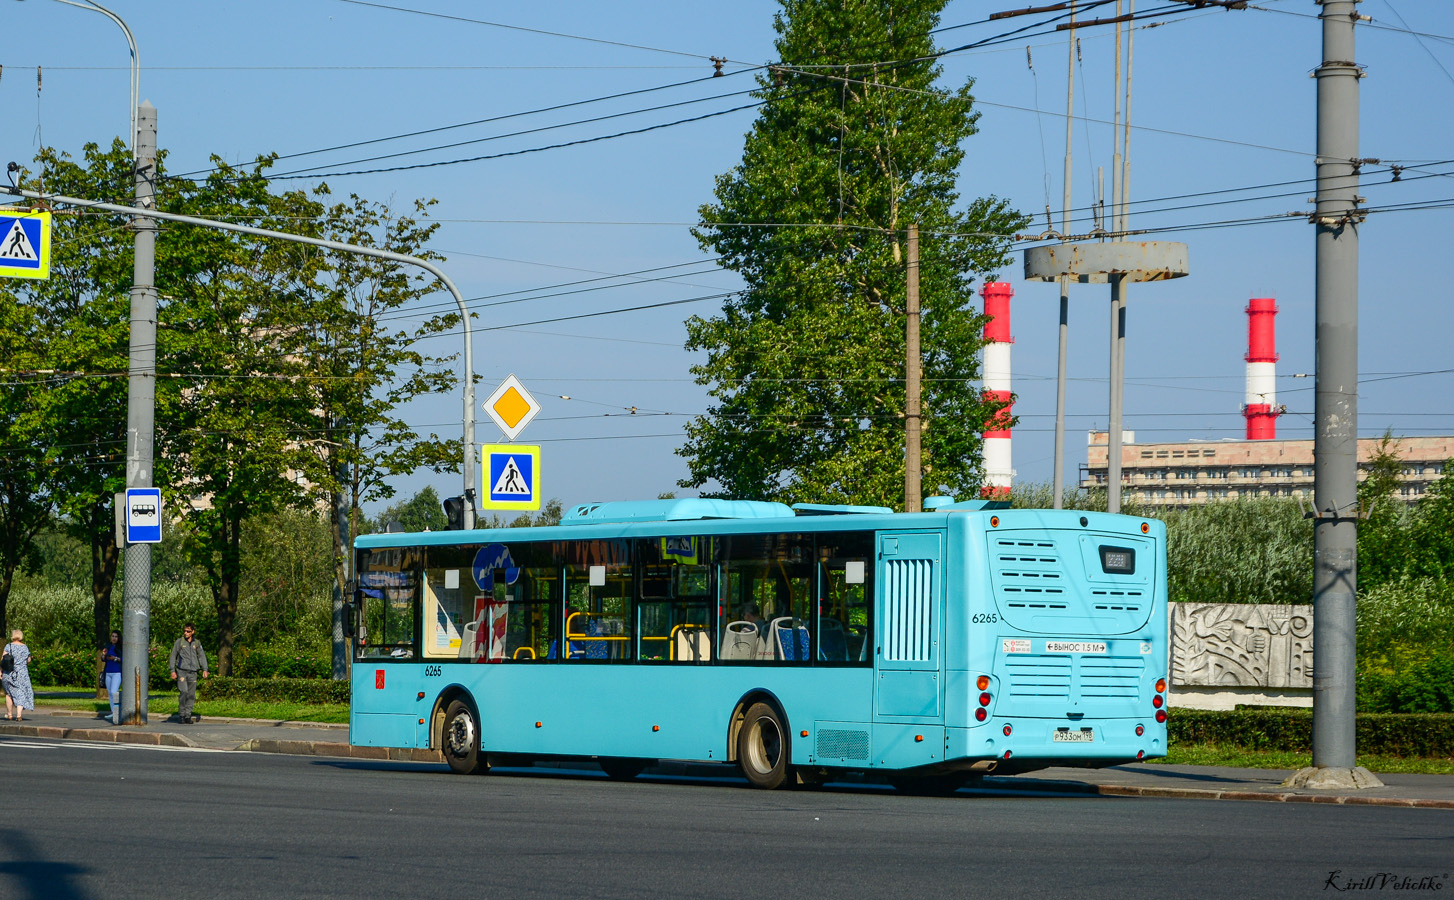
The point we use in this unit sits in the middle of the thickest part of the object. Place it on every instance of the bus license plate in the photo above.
(1073, 737)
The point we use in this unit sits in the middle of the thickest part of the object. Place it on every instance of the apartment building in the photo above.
(1194, 472)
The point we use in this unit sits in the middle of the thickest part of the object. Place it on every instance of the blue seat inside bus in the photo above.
(790, 639)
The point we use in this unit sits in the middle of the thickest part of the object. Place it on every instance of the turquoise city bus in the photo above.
(793, 643)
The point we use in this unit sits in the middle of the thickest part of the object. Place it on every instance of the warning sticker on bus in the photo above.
(1018, 645)
(1075, 647)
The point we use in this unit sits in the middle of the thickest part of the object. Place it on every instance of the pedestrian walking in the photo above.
(187, 659)
(19, 695)
(112, 673)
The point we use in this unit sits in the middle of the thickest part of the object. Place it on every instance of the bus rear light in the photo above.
(1008, 729)
(984, 699)
(1007, 754)
(981, 714)
(1145, 527)
(918, 739)
(1140, 754)
(1161, 685)
(802, 734)
(1157, 701)
(983, 682)
(1161, 715)
(539, 724)
(421, 721)
(421, 695)
(1140, 730)
(656, 728)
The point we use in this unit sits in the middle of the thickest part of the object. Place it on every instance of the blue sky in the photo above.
(1223, 113)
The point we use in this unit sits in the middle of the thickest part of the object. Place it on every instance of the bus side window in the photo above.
(845, 606)
(600, 601)
(673, 604)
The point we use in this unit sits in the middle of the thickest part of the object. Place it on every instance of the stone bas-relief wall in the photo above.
(1224, 654)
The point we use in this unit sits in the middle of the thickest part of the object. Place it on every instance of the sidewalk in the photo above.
(1138, 780)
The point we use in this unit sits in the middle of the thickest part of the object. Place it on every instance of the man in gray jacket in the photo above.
(187, 659)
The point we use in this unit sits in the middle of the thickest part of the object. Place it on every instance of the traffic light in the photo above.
(454, 513)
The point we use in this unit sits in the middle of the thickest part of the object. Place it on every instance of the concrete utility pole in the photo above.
(140, 422)
(1335, 444)
(913, 450)
(1057, 480)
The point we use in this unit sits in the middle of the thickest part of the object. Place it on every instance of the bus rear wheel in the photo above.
(762, 748)
(461, 740)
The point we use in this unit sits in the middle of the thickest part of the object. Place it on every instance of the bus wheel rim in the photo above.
(765, 747)
(462, 735)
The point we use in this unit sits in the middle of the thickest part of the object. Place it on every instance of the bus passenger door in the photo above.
(907, 686)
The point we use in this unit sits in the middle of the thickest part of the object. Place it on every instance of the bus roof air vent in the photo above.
(672, 511)
(827, 509)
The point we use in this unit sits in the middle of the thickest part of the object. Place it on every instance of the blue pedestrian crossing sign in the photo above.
(25, 244)
(512, 477)
(143, 515)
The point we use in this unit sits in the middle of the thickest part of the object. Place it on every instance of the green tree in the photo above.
(360, 367)
(1384, 550)
(84, 308)
(422, 512)
(805, 366)
(25, 499)
(229, 412)
(1248, 550)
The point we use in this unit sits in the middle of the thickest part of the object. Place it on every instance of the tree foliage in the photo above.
(279, 372)
(83, 310)
(805, 366)
(1249, 550)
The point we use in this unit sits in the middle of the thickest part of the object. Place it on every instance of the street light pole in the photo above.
(135, 62)
(140, 386)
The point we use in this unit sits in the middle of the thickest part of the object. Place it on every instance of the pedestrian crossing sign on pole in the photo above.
(511, 476)
(25, 244)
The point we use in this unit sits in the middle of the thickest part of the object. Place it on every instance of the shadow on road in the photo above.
(24, 875)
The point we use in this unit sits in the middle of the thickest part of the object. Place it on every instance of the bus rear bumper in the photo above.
(1058, 742)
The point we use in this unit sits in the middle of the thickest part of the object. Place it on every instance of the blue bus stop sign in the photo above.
(143, 515)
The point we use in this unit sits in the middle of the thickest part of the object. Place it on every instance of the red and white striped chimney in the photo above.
(1261, 408)
(998, 472)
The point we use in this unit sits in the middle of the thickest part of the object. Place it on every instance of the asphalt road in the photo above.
(107, 822)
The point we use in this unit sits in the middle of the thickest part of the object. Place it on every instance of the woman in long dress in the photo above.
(19, 695)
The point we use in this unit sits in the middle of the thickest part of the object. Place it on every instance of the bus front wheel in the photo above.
(762, 747)
(461, 744)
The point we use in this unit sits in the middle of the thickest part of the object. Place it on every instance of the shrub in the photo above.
(1292, 730)
(270, 662)
(274, 690)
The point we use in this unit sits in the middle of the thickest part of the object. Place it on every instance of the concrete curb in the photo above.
(104, 735)
(341, 750)
(1117, 790)
(228, 720)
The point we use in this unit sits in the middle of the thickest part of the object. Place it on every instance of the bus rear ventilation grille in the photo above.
(1025, 604)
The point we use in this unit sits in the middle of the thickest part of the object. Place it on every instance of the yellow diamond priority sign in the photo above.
(512, 407)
